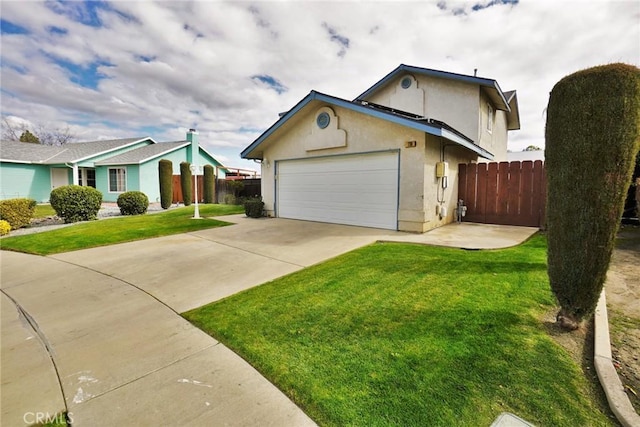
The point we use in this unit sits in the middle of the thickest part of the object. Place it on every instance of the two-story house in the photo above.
(389, 158)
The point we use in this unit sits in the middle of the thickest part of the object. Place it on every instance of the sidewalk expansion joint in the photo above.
(120, 280)
(245, 250)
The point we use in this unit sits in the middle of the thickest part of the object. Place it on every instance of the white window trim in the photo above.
(490, 115)
(109, 179)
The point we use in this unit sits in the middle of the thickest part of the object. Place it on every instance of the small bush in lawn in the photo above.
(133, 203)
(5, 227)
(254, 207)
(17, 212)
(229, 199)
(75, 203)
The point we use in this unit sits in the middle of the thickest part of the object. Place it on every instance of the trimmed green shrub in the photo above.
(254, 207)
(17, 212)
(185, 183)
(209, 184)
(236, 186)
(75, 203)
(592, 138)
(165, 175)
(230, 199)
(5, 227)
(133, 203)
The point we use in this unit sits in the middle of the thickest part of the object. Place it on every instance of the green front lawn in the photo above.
(118, 230)
(43, 210)
(399, 334)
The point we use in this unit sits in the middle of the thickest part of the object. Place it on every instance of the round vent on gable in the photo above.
(323, 120)
(406, 83)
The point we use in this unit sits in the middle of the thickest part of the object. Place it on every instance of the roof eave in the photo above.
(24, 162)
(246, 153)
(500, 101)
(466, 144)
(82, 159)
(513, 117)
(371, 111)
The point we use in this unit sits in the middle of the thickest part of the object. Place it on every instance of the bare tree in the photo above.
(57, 136)
(9, 131)
(45, 134)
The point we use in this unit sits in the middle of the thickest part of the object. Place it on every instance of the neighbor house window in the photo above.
(489, 117)
(91, 178)
(87, 177)
(117, 180)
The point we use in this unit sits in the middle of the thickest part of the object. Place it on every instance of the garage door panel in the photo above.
(382, 195)
(355, 190)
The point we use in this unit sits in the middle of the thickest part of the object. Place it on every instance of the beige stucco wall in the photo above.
(461, 105)
(450, 101)
(434, 195)
(417, 196)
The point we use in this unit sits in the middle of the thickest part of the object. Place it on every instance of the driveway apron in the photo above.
(105, 321)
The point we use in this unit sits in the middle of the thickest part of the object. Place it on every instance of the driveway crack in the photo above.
(33, 324)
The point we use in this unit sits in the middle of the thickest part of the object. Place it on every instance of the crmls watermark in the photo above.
(46, 417)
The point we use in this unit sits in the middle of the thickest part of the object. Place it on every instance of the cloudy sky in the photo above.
(140, 68)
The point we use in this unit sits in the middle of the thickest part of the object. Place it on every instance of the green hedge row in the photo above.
(209, 184)
(186, 183)
(165, 172)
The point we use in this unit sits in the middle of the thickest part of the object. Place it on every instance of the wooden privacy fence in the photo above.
(508, 193)
(177, 190)
(250, 188)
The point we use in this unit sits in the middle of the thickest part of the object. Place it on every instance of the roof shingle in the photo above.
(67, 153)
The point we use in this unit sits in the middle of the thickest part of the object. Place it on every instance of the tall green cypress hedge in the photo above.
(592, 138)
(165, 172)
(209, 184)
(186, 183)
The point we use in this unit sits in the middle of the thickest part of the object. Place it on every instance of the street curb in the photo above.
(607, 374)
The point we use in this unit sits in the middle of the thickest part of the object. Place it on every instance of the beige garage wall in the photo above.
(417, 192)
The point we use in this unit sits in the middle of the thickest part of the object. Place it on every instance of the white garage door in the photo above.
(352, 189)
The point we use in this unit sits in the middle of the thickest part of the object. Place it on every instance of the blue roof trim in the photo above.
(430, 128)
(435, 73)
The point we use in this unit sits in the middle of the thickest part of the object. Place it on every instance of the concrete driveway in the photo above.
(97, 332)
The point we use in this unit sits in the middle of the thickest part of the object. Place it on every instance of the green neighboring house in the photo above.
(112, 167)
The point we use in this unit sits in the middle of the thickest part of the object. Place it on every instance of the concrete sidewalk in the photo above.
(109, 317)
(123, 357)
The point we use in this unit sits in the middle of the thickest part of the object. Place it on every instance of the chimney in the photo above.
(192, 137)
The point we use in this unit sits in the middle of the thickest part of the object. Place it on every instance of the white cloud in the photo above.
(175, 65)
